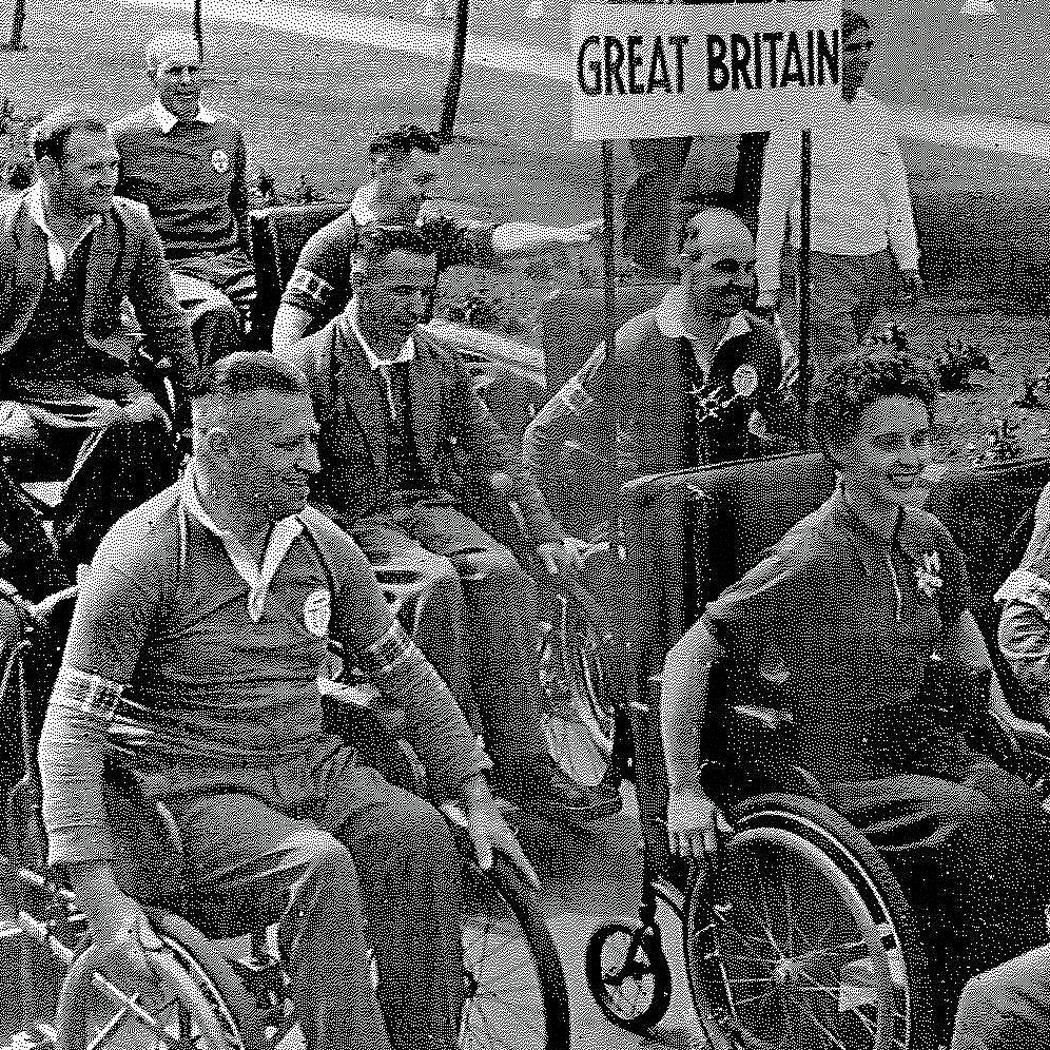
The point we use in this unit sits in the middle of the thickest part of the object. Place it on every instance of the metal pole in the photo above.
(609, 449)
(450, 103)
(804, 281)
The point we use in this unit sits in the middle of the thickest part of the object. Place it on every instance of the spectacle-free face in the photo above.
(718, 272)
(177, 80)
(885, 457)
(84, 179)
(857, 53)
(401, 183)
(393, 294)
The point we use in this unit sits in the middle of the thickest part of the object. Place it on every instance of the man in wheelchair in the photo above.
(75, 400)
(856, 626)
(193, 660)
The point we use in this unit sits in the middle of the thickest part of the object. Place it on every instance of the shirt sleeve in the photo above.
(319, 285)
(460, 242)
(900, 218)
(1024, 630)
(434, 724)
(780, 173)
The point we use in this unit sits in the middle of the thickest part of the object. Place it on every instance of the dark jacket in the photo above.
(456, 438)
(126, 261)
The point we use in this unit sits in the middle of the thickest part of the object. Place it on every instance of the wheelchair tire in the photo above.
(578, 712)
(200, 999)
(636, 960)
(802, 936)
(516, 997)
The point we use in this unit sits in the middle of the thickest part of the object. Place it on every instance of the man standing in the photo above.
(406, 172)
(193, 659)
(403, 435)
(187, 164)
(70, 254)
(861, 208)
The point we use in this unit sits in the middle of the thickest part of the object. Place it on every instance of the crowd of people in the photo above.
(354, 443)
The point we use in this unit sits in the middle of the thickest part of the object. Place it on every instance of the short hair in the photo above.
(239, 373)
(375, 241)
(717, 202)
(404, 139)
(52, 133)
(164, 44)
(855, 381)
(852, 21)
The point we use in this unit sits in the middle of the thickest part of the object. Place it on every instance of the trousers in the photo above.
(348, 865)
(215, 293)
(474, 617)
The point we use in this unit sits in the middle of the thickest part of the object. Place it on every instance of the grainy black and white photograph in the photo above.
(524, 525)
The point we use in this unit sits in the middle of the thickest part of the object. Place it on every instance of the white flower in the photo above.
(928, 578)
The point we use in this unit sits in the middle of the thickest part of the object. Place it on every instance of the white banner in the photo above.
(659, 70)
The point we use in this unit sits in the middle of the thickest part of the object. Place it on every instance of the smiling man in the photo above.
(187, 164)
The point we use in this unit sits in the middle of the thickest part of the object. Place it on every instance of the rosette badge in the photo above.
(745, 381)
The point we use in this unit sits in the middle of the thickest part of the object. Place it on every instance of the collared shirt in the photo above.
(375, 362)
(282, 535)
(57, 255)
(861, 202)
(838, 625)
(166, 120)
(670, 319)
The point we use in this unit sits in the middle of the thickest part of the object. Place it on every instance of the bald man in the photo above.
(188, 165)
(700, 380)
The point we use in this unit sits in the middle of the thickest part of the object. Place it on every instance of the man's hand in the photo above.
(120, 932)
(489, 831)
(584, 233)
(145, 408)
(913, 286)
(560, 559)
(695, 825)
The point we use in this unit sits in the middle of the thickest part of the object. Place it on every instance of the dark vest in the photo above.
(405, 472)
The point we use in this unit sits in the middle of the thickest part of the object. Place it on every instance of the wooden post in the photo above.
(609, 426)
(804, 281)
(198, 28)
(450, 103)
(18, 22)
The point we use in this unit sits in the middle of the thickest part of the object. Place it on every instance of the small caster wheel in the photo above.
(628, 975)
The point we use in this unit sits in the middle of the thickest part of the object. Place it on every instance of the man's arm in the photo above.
(239, 196)
(900, 218)
(164, 325)
(780, 170)
(290, 325)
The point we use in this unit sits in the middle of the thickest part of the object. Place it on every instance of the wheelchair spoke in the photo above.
(114, 1022)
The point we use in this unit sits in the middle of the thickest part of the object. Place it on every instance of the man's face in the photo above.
(856, 58)
(177, 80)
(84, 179)
(401, 182)
(394, 293)
(718, 272)
(274, 452)
(886, 456)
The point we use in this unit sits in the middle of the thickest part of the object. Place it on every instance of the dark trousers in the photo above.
(471, 609)
(215, 293)
(347, 864)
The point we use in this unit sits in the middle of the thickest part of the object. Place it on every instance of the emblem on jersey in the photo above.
(317, 612)
(220, 161)
(745, 380)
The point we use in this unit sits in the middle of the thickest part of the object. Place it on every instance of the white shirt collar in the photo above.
(282, 536)
(167, 120)
(56, 253)
(375, 362)
(670, 319)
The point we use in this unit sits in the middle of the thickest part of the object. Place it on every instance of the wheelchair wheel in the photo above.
(628, 975)
(515, 987)
(802, 937)
(198, 1004)
(578, 715)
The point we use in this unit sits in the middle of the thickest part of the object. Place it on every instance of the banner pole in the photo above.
(804, 281)
(610, 443)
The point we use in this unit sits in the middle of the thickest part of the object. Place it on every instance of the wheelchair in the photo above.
(223, 986)
(801, 934)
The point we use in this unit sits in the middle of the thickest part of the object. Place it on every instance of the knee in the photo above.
(426, 837)
(501, 569)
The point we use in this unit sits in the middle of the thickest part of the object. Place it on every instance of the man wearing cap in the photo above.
(187, 164)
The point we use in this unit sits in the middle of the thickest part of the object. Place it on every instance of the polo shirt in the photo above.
(189, 173)
(837, 626)
(321, 283)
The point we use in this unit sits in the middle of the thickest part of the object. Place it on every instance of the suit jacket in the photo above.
(457, 439)
(126, 261)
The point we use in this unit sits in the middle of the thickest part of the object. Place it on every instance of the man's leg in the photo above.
(425, 593)
(650, 206)
(242, 850)
(215, 322)
(504, 665)
(410, 872)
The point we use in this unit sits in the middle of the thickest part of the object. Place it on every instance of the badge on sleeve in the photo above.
(317, 613)
(745, 380)
(220, 161)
